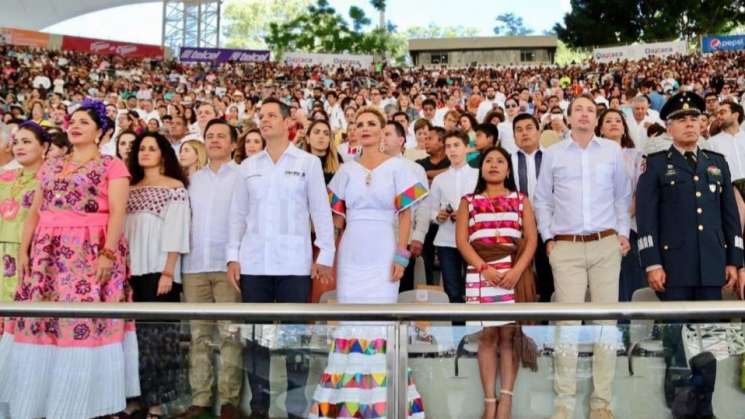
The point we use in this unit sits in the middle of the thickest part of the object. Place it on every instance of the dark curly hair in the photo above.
(171, 166)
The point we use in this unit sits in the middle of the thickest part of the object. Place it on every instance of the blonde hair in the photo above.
(374, 111)
(455, 114)
(201, 151)
(331, 161)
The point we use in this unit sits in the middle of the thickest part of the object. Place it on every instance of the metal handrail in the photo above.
(251, 312)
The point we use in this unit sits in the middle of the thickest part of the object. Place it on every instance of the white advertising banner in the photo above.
(662, 49)
(639, 51)
(606, 55)
(345, 60)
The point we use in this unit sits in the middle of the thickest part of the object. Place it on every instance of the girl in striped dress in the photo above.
(491, 223)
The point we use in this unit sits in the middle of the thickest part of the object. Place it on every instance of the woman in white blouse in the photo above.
(157, 229)
(612, 125)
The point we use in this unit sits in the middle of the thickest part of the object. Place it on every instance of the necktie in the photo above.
(538, 158)
(691, 159)
(522, 172)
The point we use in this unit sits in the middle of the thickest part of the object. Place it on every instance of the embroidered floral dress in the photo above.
(353, 385)
(71, 368)
(494, 227)
(16, 193)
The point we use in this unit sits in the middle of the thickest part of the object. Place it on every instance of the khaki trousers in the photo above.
(213, 287)
(577, 266)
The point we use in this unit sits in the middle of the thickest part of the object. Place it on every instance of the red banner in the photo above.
(104, 47)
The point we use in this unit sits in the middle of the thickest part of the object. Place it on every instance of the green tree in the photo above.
(508, 24)
(567, 56)
(607, 22)
(433, 30)
(246, 22)
(321, 29)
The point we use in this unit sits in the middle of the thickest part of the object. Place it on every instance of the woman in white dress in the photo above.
(367, 195)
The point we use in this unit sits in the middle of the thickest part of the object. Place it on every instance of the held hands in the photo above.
(416, 248)
(504, 279)
(322, 273)
(234, 275)
(509, 279)
(657, 279)
(492, 276)
(397, 272)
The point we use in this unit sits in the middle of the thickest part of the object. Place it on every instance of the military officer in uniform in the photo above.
(690, 240)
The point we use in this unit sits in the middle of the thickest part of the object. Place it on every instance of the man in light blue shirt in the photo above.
(582, 203)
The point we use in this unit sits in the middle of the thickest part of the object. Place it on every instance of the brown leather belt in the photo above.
(586, 237)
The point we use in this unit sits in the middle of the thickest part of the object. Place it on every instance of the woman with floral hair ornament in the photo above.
(72, 250)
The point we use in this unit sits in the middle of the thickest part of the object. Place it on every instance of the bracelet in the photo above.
(401, 261)
(404, 253)
(166, 274)
(107, 253)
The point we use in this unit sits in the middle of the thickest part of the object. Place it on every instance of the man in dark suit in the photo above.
(690, 238)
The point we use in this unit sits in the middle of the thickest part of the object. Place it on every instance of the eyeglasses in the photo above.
(512, 105)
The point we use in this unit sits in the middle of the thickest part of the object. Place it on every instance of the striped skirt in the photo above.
(479, 291)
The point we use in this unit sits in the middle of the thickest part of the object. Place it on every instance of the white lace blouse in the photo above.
(158, 220)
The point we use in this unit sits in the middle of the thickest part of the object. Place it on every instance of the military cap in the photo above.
(682, 104)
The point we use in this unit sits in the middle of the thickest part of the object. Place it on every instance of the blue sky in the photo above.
(143, 21)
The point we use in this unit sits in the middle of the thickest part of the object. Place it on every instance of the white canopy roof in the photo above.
(38, 14)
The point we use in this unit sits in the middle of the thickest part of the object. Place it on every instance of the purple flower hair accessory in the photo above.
(99, 109)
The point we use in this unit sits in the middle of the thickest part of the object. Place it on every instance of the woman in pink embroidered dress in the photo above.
(72, 250)
(490, 223)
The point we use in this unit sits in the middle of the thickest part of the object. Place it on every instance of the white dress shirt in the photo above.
(336, 117)
(637, 130)
(484, 108)
(271, 212)
(507, 137)
(733, 148)
(447, 189)
(209, 194)
(530, 168)
(583, 191)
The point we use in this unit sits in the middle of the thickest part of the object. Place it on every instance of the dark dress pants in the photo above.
(279, 289)
(688, 387)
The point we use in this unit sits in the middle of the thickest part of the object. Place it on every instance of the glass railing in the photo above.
(662, 360)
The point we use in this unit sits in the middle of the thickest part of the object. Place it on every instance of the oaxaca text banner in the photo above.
(639, 51)
(306, 58)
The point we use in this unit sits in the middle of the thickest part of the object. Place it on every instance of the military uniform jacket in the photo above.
(687, 219)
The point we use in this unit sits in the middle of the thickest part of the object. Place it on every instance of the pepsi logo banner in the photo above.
(716, 43)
